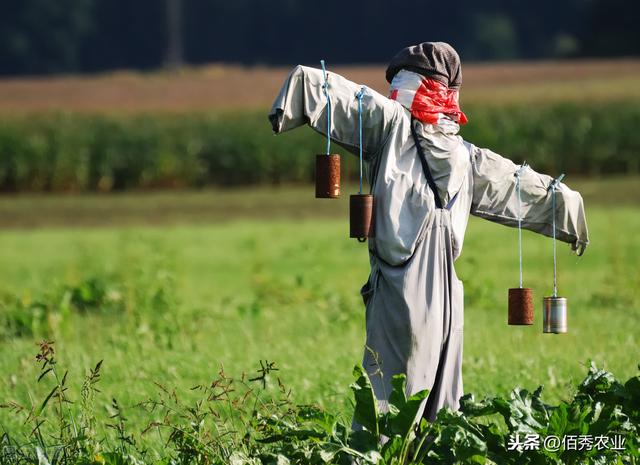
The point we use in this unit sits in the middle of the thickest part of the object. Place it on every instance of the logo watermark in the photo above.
(554, 443)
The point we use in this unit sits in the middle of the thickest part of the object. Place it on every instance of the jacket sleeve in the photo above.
(495, 198)
(302, 101)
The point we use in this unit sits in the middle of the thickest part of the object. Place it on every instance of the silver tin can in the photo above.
(554, 315)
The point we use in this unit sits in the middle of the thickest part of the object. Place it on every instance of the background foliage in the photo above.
(77, 152)
(40, 36)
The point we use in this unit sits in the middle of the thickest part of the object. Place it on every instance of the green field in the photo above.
(167, 296)
(236, 264)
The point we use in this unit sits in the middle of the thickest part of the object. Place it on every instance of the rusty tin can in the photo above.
(520, 306)
(555, 315)
(327, 176)
(361, 216)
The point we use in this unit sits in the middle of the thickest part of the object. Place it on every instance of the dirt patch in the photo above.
(230, 87)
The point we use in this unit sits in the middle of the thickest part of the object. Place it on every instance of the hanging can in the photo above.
(328, 164)
(554, 318)
(327, 176)
(361, 216)
(520, 310)
(520, 306)
(554, 315)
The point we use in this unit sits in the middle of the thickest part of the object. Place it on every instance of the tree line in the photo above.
(69, 36)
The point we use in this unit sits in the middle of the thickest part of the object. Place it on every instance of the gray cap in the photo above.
(436, 60)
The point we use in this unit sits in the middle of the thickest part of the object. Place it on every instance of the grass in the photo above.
(195, 297)
(30, 210)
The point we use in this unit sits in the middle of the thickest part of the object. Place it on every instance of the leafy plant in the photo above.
(254, 421)
(481, 432)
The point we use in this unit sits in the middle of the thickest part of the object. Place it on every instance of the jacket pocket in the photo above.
(369, 288)
(366, 291)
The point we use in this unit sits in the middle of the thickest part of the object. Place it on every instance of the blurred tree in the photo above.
(174, 34)
(495, 38)
(126, 34)
(43, 36)
(611, 28)
(47, 36)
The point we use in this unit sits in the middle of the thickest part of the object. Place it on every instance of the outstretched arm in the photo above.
(495, 198)
(302, 101)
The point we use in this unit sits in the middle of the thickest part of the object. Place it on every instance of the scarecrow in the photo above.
(426, 180)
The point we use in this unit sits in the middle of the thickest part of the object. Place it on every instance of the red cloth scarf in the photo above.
(426, 99)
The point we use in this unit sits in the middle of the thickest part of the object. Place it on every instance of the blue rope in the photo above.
(325, 89)
(553, 187)
(517, 175)
(359, 96)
